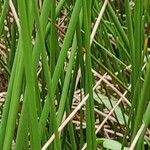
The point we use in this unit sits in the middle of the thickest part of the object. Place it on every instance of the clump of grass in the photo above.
(78, 74)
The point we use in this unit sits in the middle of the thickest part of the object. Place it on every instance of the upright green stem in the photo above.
(90, 119)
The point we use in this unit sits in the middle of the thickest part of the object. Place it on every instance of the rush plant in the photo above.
(78, 74)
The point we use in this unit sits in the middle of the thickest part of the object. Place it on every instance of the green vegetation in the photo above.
(77, 74)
